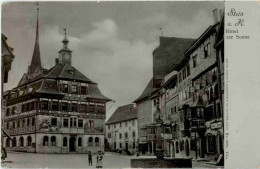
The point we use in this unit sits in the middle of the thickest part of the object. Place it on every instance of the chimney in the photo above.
(56, 61)
(215, 16)
(220, 14)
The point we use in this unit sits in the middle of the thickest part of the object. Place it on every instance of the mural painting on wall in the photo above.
(88, 128)
(45, 125)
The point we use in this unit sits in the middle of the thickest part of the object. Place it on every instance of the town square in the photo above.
(112, 85)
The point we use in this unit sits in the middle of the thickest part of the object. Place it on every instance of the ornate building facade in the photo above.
(56, 110)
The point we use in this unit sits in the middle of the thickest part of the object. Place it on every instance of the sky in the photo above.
(112, 42)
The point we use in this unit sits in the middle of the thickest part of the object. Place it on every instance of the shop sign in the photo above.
(216, 125)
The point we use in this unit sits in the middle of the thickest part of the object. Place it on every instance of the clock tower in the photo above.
(65, 52)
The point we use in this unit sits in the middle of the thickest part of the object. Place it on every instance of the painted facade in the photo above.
(56, 110)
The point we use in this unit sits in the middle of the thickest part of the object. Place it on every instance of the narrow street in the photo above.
(111, 160)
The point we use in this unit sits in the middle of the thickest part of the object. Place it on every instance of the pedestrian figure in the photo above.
(99, 159)
(89, 158)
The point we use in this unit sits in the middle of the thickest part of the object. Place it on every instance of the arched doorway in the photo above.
(187, 148)
(220, 144)
(72, 144)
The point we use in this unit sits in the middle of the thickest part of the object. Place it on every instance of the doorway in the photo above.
(72, 144)
(126, 146)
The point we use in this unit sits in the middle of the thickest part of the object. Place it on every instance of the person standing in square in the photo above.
(89, 158)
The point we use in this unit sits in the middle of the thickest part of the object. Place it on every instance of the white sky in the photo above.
(112, 42)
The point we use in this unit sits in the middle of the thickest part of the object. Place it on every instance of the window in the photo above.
(45, 141)
(173, 110)
(120, 124)
(177, 147)
(90, 141)
(133, 133)
(120, 145)
(55, 105)
(65, 122)
(194, 59)
(114, 125)
(219, 114)
(75, 122)
(13, 124)
(64, 106)
(79, 141)
(8, 111)
(184, 73)
(65, 141)
(23, 123)
(133, 145)
(91, 123)
(53, 122)
(64, 88)
(74, 107)
(180, 77)
(80, 122)
(44, 105)
(32, 105)
(83, 90)
(28, 122)
(53, 141)
(21, 141)
(74, 89)
(13, 110)
(25, 107)
(71, 122)
(83, 107)
(126, 135)
(126, 123)
(207, 50)
(133, 122)
(209, 113)
(120, 135)
(29, 141)
(33, 121)
(188, 70)
(97, 141)
(108, 126)
(18, 125)
(109, 135)
(29, 108)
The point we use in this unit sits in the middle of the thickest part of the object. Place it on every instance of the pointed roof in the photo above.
(149, 89)
(123, 113)
(36, 59)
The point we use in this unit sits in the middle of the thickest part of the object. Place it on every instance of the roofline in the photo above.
(120, 121)
(197, 42)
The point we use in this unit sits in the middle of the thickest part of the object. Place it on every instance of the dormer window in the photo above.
(71, 71)
(207, 50)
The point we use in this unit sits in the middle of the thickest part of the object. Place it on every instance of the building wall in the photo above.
(145, 117)
(113, 132)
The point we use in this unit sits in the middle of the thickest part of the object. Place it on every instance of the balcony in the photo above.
(197, 125)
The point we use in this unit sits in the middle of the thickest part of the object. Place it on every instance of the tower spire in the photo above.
(36, 58)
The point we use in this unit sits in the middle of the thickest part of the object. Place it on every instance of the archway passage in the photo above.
(220, 144)
(72, 144)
